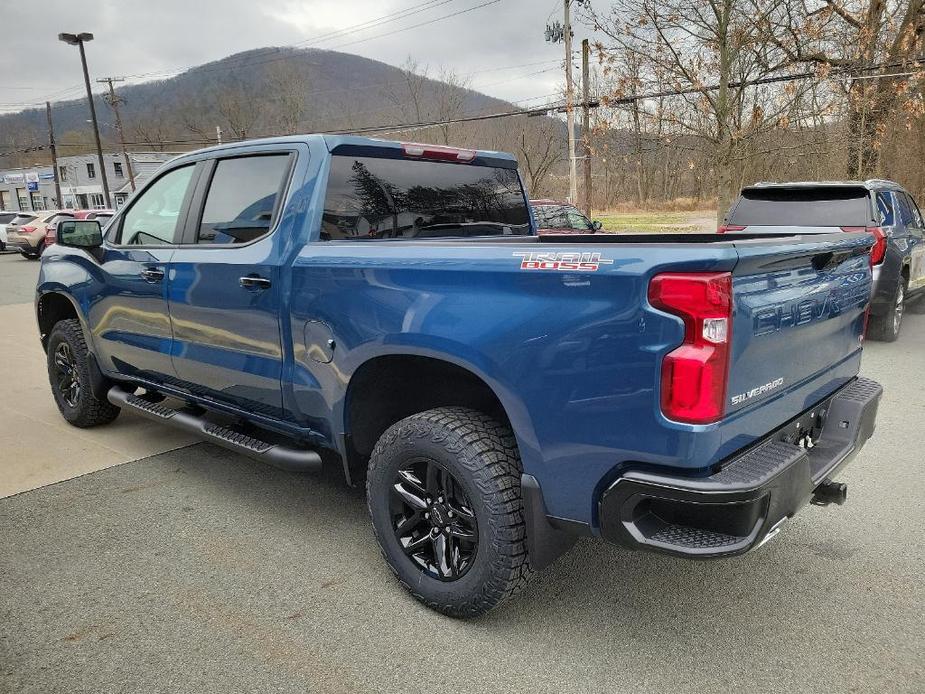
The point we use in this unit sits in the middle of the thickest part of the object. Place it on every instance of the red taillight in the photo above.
(726, 228)
(694, 376)
(26, 230)
(878, 251)
(413, 149)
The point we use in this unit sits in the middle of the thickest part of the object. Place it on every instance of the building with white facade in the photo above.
(33, 188)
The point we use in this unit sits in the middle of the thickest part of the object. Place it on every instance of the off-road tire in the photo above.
(89, 411)
(481, 454)
(886, 328)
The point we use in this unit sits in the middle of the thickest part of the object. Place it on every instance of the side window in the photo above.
(905, 209)
(917, 221)
(885, 205)
(242, 198)
(152, 220)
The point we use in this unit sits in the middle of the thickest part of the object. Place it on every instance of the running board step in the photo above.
(283, 457)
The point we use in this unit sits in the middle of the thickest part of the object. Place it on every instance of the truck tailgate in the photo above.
(799, 310)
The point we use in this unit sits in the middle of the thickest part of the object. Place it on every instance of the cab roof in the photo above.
(364, 146)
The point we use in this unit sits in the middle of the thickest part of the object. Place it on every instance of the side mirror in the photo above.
(80, 233)
(596, 225)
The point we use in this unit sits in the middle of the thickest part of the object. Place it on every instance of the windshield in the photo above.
(372, 198)
(823, 206)
(561, 217)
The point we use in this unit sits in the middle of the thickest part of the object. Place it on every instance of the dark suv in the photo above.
(884, 208)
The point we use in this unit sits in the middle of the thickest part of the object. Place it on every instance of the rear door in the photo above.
(798, 314)
(225, 283)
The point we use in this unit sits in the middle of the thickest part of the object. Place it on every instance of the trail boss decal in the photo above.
(566, 262)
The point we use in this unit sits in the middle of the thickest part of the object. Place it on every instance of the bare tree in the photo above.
(450, 93)
(857, 34)
(539, 150)
(289, 85)
(239, 109)
(407, 94)
(709, 50)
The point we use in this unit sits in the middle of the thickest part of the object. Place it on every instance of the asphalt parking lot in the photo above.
(197, 570)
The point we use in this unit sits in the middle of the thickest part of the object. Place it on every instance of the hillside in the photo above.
(264, 91)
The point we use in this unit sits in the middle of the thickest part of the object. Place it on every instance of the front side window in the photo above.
(91, 170)
(910, 212)
(242, 198)
(561, 217)
(905, 209)
(153, 217)
(372, 198)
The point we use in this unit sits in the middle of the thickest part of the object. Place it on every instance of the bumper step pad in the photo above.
(745, 502)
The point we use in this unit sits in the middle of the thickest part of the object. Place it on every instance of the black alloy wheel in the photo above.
(67, 377)
(433, 520)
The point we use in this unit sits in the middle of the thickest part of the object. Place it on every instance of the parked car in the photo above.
(29, 238)
(554, 217)
(5, 218)
(388, 308)
(102, 216)
(883, 208)
(13, 221)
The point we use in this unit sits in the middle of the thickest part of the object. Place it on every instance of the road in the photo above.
(195, 570)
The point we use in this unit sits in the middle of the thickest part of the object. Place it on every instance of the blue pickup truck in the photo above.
(388, 308)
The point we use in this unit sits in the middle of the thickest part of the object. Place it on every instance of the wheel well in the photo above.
(53, 308)
(387, 389)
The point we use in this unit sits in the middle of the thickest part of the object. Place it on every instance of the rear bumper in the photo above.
(25, 244)
(746, 501)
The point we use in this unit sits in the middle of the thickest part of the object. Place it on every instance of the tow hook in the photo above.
(830, 492)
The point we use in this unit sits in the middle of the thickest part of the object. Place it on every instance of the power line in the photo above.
(243, 62)
(540, 110)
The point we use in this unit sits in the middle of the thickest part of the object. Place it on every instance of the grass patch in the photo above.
(651, 222)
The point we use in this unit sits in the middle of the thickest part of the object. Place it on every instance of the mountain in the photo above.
(264, 91)
(274, 91)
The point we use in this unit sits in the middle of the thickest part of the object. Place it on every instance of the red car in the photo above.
(102, 216)
(554, 217)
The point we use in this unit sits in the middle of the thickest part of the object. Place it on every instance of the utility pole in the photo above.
(114, 102)
(570, 107)
(79, 40)
(586, 124)
(218, 134)
(59, 201)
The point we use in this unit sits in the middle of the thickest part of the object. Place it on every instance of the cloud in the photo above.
(148, 39)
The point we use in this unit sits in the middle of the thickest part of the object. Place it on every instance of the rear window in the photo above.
(372, 198)
(242, 198)
(823, 207)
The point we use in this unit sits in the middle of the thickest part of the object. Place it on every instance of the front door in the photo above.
(130, 322)
(225, 285)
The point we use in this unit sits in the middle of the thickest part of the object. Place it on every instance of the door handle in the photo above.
(152, 274)
(253, 282)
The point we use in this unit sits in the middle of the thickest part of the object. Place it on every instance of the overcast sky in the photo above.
(146, 38)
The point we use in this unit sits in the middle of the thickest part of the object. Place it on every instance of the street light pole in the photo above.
(79, 40)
